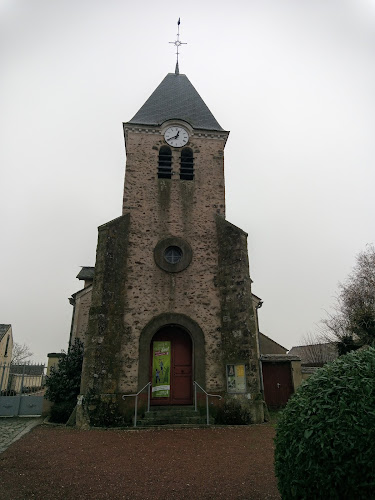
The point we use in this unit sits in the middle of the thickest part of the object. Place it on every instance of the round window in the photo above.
(173, 254)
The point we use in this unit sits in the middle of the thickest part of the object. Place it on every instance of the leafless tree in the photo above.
(317, 350)
(352, 324)
(20, 353)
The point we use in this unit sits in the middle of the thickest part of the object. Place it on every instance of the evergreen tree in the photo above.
(63, 383)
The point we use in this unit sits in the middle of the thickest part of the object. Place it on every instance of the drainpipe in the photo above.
(258, 306)
(72, 301)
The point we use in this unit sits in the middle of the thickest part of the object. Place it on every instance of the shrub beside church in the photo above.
(325, 442)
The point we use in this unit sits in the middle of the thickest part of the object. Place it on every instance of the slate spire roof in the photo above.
(176, 99)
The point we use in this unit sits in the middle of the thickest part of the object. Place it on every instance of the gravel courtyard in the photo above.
(61, 463)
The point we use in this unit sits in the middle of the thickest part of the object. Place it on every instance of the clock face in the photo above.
(176, 136)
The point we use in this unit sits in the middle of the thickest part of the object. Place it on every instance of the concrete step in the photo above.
(170, 421)
(171, 416)
(175, 408)
(179, 412)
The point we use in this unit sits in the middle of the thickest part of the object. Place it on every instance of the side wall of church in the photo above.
(81, 315)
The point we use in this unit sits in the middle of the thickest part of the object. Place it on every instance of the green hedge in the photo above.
(62, 385)
(325, 441)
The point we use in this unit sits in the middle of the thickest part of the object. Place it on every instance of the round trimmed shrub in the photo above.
(325, 439)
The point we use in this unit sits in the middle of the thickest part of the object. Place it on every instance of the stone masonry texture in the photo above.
(130, 289)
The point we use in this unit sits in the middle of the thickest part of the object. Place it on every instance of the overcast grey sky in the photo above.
(292, 80)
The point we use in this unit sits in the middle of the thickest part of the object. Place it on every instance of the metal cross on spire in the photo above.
(177, 43)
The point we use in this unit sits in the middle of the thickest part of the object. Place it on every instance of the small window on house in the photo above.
(6, 347)
(165, 163)
(187, 165)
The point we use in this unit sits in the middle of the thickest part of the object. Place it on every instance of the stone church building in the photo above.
(169, 300)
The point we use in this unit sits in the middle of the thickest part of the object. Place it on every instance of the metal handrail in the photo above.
(136, 400)
(207, 396)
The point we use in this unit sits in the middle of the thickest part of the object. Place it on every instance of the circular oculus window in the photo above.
(173, 254)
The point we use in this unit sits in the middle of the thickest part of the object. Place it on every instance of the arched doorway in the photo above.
(171, 367)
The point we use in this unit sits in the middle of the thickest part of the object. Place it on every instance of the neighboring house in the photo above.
(53, 361)
(6, 348)
(314, 356)
(269, 346)
(6, 343)
(28, 377)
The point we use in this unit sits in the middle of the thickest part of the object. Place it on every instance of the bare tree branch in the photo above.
(20, 353)
(352, 324)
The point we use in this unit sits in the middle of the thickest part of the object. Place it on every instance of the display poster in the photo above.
(161, 367)
(236, 381)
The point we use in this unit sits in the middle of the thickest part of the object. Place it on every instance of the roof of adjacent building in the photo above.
(315, 354)
(278, 358)
(80, 293)
(176, 99)
(3, 330)
(269, 346)
(86, 273)
(27, 369)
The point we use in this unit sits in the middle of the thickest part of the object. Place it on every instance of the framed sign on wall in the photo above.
(236, 378)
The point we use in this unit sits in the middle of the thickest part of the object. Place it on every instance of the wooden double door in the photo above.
(171, 367)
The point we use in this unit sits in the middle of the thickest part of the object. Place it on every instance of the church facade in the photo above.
(169, 301)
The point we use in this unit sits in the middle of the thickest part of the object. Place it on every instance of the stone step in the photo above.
(172, 413)
(175, 408)
(170, 421)
(173, 426)
(187, 422)
(169, 416)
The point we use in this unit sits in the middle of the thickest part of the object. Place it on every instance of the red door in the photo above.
(181, 383)
(277, 381)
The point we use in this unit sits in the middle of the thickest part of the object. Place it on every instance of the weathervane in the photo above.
(177, 43)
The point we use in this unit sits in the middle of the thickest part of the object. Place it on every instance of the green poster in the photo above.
(161, 367)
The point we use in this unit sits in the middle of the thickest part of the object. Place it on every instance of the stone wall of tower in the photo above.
(160, 208)
(131, 291)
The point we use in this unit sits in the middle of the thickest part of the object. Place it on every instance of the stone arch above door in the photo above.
(186, 324)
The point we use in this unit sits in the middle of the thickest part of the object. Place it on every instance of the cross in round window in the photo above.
(173, 254)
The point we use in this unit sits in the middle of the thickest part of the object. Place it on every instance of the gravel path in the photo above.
(61, 463)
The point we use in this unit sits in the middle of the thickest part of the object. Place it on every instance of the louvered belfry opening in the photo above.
(165, 163)
(187, 165)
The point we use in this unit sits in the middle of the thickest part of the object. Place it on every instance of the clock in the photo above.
(176, 136)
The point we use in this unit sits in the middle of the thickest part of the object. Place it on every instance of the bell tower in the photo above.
(171, 300)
